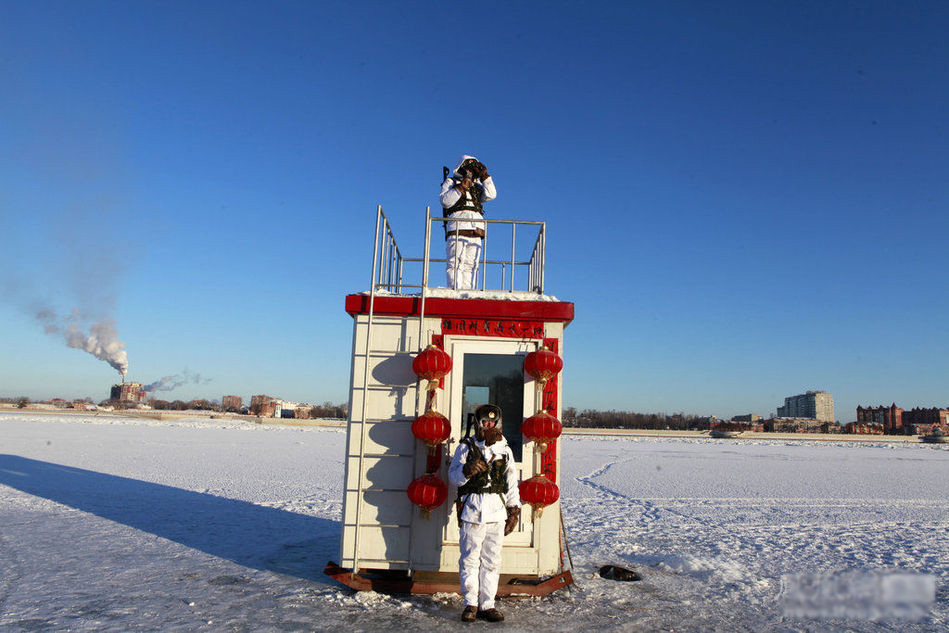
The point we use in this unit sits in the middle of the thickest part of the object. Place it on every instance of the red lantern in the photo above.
(541, 428)
(427, 492)
(543, 365)
(539, 492)
(432, 364)
(432, 428)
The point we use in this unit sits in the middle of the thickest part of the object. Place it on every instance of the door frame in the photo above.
(457, 347)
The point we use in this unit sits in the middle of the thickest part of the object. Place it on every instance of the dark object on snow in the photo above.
(612, 572)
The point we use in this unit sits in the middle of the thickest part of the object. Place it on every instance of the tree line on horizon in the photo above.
(572, 417)
(327, 410)
(612, 419)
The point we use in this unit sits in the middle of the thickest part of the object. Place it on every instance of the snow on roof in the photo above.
(494, 295)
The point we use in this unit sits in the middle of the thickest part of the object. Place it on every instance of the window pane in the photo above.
(496, 379)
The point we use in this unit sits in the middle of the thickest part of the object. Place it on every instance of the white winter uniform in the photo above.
(482, 526)
(463, 252)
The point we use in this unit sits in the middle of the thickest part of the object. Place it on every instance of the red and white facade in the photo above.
(487, 339)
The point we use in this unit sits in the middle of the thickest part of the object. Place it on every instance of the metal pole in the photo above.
(566, 542)
(484, 254)
(530, 269)
(399, 287)
(418, 384)
(421, 313)
(535, 265)
(390, 244)
(543, 254)
(365, 394)
(390, 266)
(387, 260)
(384, 250)
(455, 260)
(534, 258)
(513, 234)
(428, 242)
(530, 274)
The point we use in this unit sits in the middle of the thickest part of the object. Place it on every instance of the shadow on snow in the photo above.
(245, 533)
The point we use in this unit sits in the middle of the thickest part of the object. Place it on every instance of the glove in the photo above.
(513, 516)
(483, 173)
(473, 468)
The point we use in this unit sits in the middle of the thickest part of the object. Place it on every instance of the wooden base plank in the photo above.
(426, 583)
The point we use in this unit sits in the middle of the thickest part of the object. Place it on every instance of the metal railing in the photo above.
(387, 260)
(388, 270)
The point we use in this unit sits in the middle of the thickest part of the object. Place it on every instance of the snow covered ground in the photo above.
(115, 524)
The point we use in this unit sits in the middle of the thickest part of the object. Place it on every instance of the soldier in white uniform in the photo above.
(488, 506)
(463, 195)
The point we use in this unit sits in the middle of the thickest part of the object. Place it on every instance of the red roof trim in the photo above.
(468, 308)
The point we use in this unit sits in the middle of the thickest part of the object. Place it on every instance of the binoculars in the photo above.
(472, 167)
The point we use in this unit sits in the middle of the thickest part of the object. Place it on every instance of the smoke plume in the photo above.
(168, 383)
(101, 340)
(48, 264)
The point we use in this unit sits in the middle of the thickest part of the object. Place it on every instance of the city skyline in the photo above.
(743, 201)
(231, 401)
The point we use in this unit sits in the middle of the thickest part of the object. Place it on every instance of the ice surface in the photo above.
(120, 524)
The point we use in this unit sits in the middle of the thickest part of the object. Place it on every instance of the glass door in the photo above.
(492, 372)
(496, 379)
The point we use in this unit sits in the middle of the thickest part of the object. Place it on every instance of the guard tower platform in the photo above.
(388, 543)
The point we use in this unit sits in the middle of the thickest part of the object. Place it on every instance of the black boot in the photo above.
(491, 615)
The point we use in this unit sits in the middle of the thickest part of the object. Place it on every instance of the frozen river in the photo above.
(115, 524)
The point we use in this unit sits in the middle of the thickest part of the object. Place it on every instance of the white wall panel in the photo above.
(387, 543)
(390, 473)
(389, 507)
(390, 437)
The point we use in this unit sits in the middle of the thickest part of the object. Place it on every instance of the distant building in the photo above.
(816, 405)
(894, 421)
(751, 417)
(863, 428)
(799, 425)
(288, 408)
(231, 403)
(132, 392)
(302, 412)
(922, 421)
(264, 406)
(890, 418)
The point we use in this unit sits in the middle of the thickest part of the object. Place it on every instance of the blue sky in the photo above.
(744, 200)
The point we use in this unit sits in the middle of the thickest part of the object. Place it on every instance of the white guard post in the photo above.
(389, 544)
